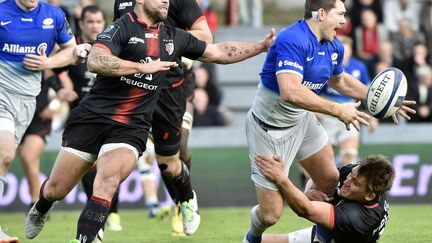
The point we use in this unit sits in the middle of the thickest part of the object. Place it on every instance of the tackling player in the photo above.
(357, 213)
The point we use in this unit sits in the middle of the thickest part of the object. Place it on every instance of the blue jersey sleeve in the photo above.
(289, 56)
(64, 31)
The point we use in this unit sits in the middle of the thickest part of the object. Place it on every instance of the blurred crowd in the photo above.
(395, 33)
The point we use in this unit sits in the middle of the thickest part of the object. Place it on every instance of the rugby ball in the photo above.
(386, 93)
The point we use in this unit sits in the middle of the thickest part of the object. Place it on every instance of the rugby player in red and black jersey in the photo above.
(111, 123)
(357, 213)
(172, 118)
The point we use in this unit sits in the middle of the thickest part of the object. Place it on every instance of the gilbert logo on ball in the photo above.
(386, 93)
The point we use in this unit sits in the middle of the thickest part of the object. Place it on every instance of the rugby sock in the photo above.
(183, 184)
(257, 227)
(2, 185)
(92, 219)
(169, 184)
(43, 205)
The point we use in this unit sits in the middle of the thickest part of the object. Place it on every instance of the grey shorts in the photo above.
(336, 130)
(16, 113)
(298, 142)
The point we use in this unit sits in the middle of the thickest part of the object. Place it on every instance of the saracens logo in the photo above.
(169, 47)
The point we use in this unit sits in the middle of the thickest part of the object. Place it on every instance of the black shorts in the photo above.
(39, 127)
(87, 132)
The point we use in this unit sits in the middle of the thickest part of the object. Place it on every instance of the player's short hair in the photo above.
(378, 172)
(314, 5)
(91, 9)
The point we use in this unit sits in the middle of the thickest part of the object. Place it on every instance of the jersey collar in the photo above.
(134, 17)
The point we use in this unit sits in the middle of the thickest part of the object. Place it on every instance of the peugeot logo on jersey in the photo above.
(169, 47)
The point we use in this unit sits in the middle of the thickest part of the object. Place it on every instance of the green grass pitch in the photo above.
(408, 223)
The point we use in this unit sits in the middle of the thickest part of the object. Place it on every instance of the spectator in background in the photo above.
(426, 22)
(210, 14)
(421, 92)
(386, 55)
(405, 39)
(205, 114)
(396, 10)
(250, 13)
(77, 14)
(357, 8)
(368, 37)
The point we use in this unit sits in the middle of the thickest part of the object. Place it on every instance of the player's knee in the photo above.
(54, 191)
(270, 218)
(6, 158)
(169, 169)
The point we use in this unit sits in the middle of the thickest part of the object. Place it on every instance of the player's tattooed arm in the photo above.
(232, 52)
(102, 62)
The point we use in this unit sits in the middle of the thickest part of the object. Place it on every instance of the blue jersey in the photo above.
(358, 70)
(296, 50)
(24, 33)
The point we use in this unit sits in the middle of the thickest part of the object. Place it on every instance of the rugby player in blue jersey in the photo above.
(304, 57)
(29, 29)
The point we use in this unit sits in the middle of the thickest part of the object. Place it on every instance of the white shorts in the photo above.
(298, 142)
(336, 130)
(16, 113)
(307, 235)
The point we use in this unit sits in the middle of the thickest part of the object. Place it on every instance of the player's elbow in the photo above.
(289, 97)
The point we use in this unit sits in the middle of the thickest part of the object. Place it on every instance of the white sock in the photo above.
(152, 200)
(257, 227)
(2, 185)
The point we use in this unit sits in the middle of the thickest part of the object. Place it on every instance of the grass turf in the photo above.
(408, 223)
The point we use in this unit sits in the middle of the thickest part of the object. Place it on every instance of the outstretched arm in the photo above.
(318, 212)
(101, 61)
(232, 51)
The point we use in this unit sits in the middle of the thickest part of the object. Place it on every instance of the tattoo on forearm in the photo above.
(104, 64)
(239, 50)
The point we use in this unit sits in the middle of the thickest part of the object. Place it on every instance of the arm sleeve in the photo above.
(188, 13)
(112, 38)
(190, 46)
(290, 56)
(64, 30)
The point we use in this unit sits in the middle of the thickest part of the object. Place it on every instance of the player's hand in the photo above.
(272, 168)
(405, 111)
(156, 66)
(316, 195)
(67, 95)
(81, 52)
(348, 114)
(36, 62)
(373, 124)
(268, 41)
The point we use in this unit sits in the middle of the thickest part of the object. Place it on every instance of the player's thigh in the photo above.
(116, 161)
(322, 168)
(167, 121)
(275, 238)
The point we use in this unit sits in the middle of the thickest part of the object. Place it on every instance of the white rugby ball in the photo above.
(386, 93)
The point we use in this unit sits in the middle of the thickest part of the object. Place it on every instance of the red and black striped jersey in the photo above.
(182, 14)
(130, 99)
(353, 221)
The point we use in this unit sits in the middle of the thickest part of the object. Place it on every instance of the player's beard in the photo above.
(154, 14)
